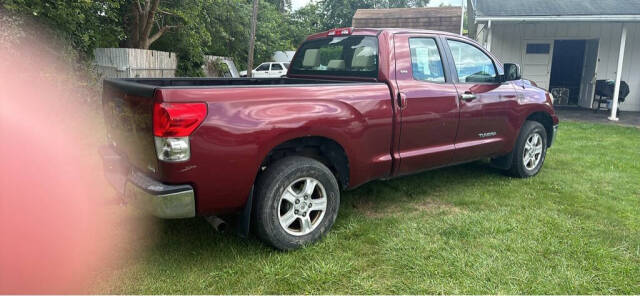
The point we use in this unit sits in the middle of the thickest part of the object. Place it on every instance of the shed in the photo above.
(567, 44)
(446, 19)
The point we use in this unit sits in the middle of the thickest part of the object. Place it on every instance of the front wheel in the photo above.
(530, 150)
(297, 202)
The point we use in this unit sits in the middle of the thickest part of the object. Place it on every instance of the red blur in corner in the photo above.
(55, 233)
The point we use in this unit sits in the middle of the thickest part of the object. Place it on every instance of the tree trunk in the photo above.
(254, 20)
(141, 24)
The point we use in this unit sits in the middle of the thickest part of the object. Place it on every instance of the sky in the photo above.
(295, 4)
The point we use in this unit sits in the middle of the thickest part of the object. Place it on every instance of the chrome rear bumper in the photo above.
(158, 199)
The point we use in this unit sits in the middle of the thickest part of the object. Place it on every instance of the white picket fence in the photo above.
(133, 63)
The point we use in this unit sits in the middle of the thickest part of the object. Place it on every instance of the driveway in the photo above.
(587, 115)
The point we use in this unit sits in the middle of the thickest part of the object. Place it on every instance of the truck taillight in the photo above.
(177, 119)
(173, 123)
(340, 32)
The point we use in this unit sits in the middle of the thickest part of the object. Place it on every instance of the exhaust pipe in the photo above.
(218, 224)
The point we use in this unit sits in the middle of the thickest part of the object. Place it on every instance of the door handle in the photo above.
(402, 100)
(467, 97)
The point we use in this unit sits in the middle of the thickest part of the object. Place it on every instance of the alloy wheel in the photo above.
(302, 206)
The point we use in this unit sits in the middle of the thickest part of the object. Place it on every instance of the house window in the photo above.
(538, 48)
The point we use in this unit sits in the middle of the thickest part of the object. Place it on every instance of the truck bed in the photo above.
(246, 118)
(146, 86)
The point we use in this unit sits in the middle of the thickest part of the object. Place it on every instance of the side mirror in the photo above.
(512, 72)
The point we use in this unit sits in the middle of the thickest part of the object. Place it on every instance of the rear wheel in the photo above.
(297, 202)
(530, 150)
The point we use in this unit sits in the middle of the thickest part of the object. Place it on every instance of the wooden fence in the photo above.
(132, 63)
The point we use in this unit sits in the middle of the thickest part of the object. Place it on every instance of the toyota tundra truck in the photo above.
(356, 105)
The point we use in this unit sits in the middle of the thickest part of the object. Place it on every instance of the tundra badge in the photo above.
(486, 135)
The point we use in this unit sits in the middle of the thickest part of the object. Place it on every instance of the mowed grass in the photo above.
(574, 229)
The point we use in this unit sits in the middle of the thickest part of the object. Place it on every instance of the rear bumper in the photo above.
(158, 199)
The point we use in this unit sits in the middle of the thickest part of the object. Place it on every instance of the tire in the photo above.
(530, 150)
(286, 216)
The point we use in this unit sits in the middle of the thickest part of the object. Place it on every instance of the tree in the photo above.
(227, 27)
(142, 19)
(252, 38)
(338, 13)
(305, 21)
(190, 39)
(85, 24)
(282, 5)
(229, 24)
(190, 54)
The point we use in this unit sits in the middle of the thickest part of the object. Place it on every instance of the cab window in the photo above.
(472, 64)
(337, 56)
(426, 63)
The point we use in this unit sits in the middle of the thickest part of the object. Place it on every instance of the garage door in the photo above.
(537, 56)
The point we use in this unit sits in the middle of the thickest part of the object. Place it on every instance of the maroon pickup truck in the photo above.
(356, 105)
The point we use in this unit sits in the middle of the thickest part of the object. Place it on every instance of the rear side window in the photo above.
(339, 56)
(276, 67)
(426, 63)
(472, 64)
(286, 65)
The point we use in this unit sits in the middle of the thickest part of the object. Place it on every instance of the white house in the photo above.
(565, 43)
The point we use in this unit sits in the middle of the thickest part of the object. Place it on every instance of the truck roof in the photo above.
(376, 31)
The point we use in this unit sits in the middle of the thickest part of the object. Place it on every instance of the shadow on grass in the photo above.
(196, 236)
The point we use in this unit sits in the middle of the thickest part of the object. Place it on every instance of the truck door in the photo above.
(427, 103)
(486, 103)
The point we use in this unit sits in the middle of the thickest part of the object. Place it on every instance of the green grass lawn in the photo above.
(574, 228)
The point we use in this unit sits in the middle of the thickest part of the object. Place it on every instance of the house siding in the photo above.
(508, 42)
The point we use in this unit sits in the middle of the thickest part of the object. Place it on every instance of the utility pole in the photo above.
(252, 41)
(462, 18)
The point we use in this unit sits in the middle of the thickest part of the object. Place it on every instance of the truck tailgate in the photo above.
(128, 114)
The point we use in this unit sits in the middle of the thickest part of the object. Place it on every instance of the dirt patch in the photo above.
(373, 210)
(430, 206)
(433, 206)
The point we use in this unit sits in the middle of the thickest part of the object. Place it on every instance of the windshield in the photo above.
(338, 56)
